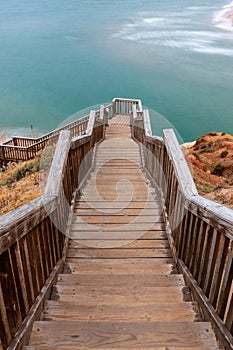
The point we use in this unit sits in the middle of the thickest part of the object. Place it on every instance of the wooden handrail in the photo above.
(200, 231)
(25, 148)
(33, 237)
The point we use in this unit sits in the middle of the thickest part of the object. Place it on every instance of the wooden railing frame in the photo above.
(200, 231)
(33, 238)
(25, 148)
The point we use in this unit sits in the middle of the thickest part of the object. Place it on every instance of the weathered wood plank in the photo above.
(132, 335)
(119, 219)
(181, 169)
(126, 212)
(120, 253)
(23, 334)
(119, 266)
(119, 235)
(138, 244)
(82, 204)
(61, 311)
(74, 347)
(147, 280)
(137, 226)
(16, 224)
(85, 295)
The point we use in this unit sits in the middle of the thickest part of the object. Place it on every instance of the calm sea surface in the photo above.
(58, 57)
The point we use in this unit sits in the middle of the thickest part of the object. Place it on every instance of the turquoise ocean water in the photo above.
(58, 57)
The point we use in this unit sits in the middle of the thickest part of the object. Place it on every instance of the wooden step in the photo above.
(117, 197)
(160, 260)
(83, 204)
(62, 310)
(139, 226)
(103, 177)
(108, 294)
(118, 335)
(138, 244)
(130, 280)
(120, 253)
(101, 268)
(120, 235)
(124, 212)
(120, 266)
(117, 219)
(74, 347)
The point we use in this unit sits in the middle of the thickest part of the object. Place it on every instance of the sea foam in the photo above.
(220, 19)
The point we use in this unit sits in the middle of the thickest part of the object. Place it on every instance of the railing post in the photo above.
(113, 108)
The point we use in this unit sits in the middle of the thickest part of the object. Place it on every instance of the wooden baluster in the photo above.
(205, 255)
(193, 243)
(9, 292)
(33, 263)
(229, 316)
(26, 281)
(18, 279)
(219, 267)
(5, 331)
(226, 284)
(211, 262)
(44, 250)
(184, 230)
(188, 238)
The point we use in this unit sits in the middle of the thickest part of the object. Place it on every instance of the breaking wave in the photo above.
(220, 19)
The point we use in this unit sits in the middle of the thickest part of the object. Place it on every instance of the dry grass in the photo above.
(22, 182)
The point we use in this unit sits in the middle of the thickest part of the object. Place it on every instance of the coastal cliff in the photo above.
(22, 182)
(210, 160)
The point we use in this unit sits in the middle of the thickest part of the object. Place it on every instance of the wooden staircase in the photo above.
(120, 288)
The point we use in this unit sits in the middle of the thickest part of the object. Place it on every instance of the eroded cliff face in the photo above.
(211, 162)
(21, 182)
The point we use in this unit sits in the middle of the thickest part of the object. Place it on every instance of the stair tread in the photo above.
(130, 280)
(121, 253)
(118, 243)
(64, 310)
(121, 267)
(123, 335)
(119, 290)
(109, 294)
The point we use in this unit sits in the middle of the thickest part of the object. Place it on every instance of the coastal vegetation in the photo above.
(21, 182)
(211, 163)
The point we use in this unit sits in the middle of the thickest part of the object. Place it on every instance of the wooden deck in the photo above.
(120, 288)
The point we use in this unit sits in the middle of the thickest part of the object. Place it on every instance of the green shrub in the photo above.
(213, 133)
(20, 173)
(207, 150)
(218, 170)
(224, 154)
(205, 189)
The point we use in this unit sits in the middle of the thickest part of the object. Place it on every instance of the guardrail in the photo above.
(200, 231)
(32, 237)
(25, 148)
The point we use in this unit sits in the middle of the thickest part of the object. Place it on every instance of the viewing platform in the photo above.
(120, 251)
